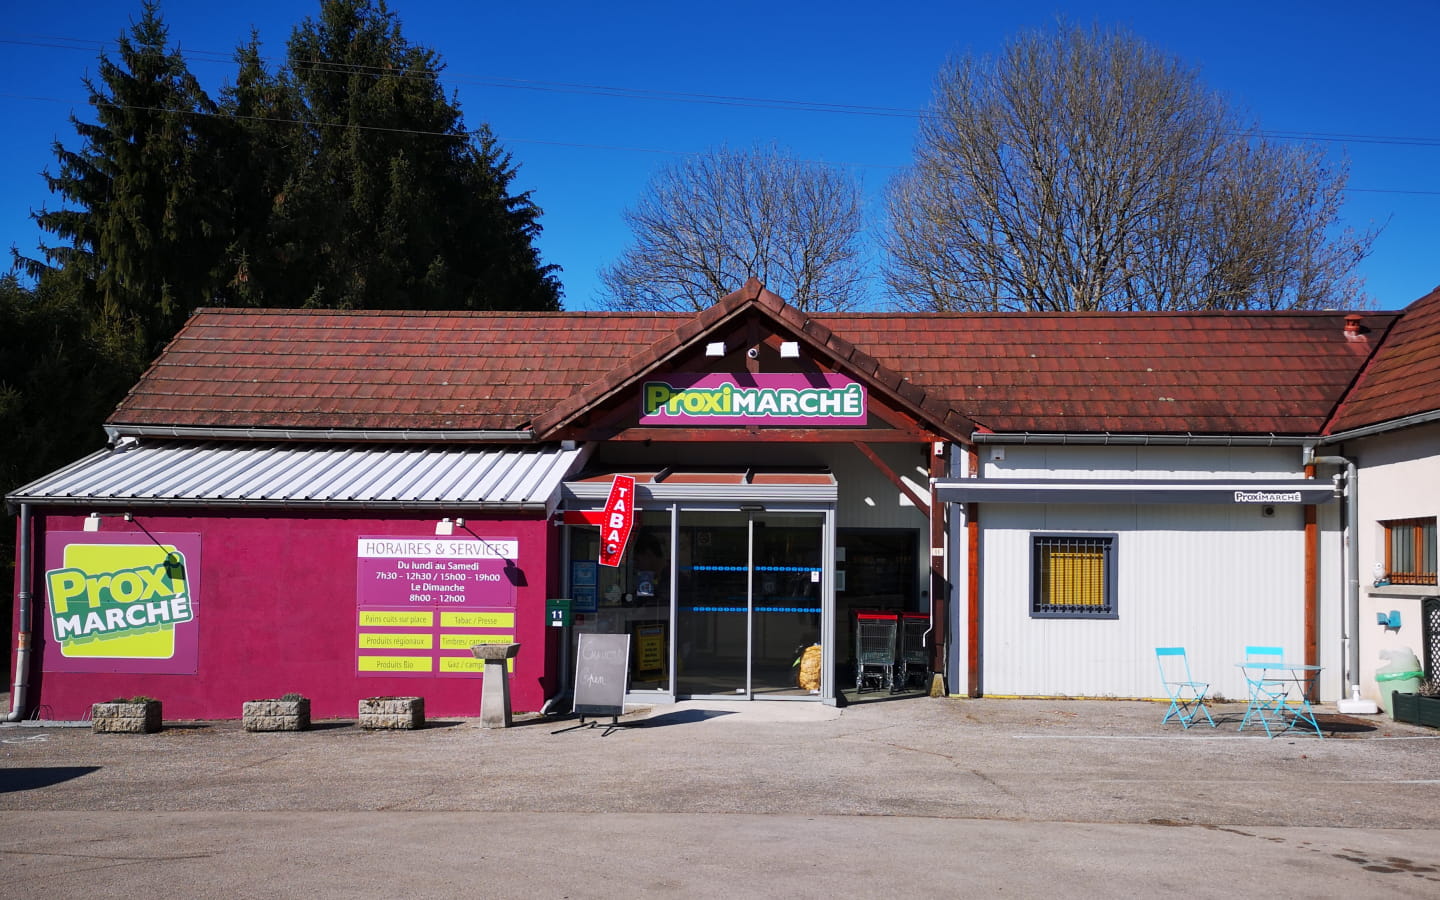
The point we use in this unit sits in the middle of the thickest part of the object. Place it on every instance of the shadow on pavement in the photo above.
(678, 717)
(1332, 723)
(28, 779)
(682, 717)
(332, 724)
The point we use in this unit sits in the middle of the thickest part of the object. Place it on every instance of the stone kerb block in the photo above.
(389, 713)
(126, 717)
(276, 715)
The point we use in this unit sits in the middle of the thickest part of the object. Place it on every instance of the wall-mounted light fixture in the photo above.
(790, 350)
(445, 526)
(92, 522)
(715, 349)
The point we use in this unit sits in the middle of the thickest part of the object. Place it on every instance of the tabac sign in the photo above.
(118, 604)
(750, 399)
(618, 521)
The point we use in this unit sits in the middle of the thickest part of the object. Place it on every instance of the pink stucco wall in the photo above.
(276, 612)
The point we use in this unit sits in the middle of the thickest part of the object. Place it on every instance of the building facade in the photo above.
(343, 504)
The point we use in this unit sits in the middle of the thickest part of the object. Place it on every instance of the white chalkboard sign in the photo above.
(602, 670)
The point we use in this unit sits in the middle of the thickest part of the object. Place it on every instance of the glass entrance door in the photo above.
(749, 601)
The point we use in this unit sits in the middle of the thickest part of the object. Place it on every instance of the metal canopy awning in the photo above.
(720, 485)
(234, 473)
(1269, 492)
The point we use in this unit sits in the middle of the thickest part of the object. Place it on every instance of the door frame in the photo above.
(825, 509)
(826, 595)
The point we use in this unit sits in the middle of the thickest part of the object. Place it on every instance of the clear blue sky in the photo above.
(591, 97)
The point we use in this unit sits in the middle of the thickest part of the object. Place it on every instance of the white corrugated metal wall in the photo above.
(1211, 578)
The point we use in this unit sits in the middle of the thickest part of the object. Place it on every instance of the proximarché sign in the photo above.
(118, 604)
(746, 399)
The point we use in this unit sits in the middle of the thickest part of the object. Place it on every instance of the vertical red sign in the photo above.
(619, 520)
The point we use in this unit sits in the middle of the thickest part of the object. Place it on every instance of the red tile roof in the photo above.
(324, 369)
(1203, 373)
(1404, 377)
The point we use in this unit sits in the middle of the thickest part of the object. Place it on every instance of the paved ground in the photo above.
(913, 798)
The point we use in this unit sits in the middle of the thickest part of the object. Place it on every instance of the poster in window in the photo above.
(582, 586)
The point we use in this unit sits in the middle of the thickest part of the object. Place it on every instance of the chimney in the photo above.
(1352, 327)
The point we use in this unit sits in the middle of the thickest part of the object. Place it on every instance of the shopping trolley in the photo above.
(914, 655)
(875, 649)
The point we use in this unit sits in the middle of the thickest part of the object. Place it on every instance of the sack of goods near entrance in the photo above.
(809, 677)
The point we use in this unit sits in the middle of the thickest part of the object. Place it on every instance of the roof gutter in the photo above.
(1187, 439)
(1392, 425)
(338, 435)
(261, 503)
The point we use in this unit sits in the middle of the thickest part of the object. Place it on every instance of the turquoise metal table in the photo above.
(1280, 696)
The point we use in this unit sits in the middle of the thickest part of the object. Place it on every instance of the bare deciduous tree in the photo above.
(1085, 170)
(708, 223)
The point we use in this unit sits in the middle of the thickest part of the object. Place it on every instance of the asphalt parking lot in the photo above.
(920, 797)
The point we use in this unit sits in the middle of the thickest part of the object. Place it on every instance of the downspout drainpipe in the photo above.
(22, 634)
(1350, 639)
(938, 449)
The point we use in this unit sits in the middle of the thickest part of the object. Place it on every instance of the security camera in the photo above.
(1267, 511)
(753, 352)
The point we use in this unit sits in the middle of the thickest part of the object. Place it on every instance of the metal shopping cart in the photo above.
(875, 649)
(914, 655)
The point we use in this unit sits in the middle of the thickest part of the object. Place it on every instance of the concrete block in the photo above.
(126, 717)
(382, 713)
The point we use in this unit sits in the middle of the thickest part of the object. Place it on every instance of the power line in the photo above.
(466, 134)
(654, 94)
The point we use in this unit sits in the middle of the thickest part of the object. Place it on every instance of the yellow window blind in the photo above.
(1074, 577)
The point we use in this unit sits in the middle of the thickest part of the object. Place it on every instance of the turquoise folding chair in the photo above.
(1268, 696)
(1187, 696)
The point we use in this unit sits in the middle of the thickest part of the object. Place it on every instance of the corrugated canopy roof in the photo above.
(218, 473)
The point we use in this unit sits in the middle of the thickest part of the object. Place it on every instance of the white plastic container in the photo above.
(1401, 672)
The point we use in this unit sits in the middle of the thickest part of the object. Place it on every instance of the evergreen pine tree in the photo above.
(384, 200)
(142, 221)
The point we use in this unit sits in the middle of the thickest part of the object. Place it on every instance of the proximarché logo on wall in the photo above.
(119, 601)
(812, 400)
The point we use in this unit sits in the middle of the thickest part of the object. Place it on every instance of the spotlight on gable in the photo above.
(715, 349)
(790, 350)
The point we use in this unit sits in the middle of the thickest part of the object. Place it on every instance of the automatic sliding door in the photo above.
(787, 598)
(749, 601)
(713, 614)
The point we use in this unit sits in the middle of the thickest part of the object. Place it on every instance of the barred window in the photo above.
(1072, 576)
(1410, 551)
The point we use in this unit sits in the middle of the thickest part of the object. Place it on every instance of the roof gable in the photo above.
(751, 317)
(1404, 377)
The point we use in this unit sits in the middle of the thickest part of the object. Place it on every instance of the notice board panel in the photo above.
(602, 670)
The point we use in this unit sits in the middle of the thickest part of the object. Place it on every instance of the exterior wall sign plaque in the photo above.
(122, 603)
(422, 603)
(1269, 497)
(753, 399)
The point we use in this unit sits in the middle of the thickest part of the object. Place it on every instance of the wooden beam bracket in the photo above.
(895, 479)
